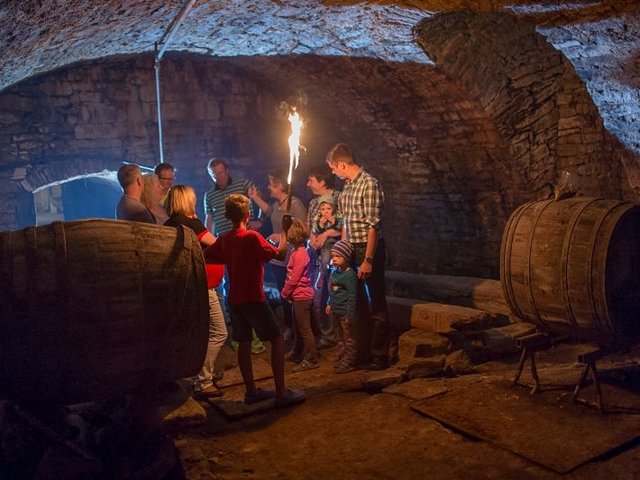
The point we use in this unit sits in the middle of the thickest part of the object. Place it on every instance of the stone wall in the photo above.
(457, 145)
(539, 105)
(92, 117)
(441, 161)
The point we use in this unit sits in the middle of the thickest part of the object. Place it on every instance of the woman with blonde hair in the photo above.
(151, 196)
(181, 207)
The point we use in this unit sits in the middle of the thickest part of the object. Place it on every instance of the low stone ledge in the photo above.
(481, 293)
(441, 318)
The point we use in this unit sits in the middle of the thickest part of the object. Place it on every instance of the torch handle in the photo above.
(288, 210)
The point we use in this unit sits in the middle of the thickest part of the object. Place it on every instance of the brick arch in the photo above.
(19, 184)
(42, 175)
(532, 93)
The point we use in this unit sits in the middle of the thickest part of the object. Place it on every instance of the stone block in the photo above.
(147, 89)
(420, 344)
(419, 388)
(8, 222)
(443, 318)
(87, 97)
(425, 367)
(90, 131)
(7, 204)
(189, 414)
(234, 107)
(10, 186)
(7, 118)
(17, 103)
(93, 146)
(458, 363)
(570, 123)
(57, 89)
(176, 110)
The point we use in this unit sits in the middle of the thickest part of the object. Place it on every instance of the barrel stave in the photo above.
(111, 308)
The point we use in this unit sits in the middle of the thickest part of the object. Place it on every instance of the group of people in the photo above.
(327, 261)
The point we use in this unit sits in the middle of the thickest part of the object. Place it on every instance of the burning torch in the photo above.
(294, 158)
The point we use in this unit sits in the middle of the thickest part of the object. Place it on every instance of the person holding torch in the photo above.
(277, 211)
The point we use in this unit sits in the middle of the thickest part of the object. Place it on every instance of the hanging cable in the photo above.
(159, 105)
(160, 49)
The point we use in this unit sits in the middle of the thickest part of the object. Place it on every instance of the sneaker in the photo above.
(292, 356)
(258, 396)
(306, 365)
(344, 368)
(208, 392)
(324, 343)
(258, 350)
(290, 397)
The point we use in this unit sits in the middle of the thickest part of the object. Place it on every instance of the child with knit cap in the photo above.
(342, 304)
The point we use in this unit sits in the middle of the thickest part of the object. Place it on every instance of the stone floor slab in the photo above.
(546, 428)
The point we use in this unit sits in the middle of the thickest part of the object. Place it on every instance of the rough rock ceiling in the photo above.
(599, 37)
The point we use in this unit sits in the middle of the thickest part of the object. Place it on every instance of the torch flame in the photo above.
(294, 143)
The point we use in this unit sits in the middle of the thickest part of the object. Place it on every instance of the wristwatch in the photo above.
(369, 260)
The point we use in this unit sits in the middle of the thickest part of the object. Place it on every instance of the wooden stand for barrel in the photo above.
(573, 267)
(96, 308)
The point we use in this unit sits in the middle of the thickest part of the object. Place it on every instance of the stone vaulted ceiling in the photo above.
(600, 38)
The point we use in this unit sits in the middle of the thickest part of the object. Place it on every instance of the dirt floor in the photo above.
(345, 432)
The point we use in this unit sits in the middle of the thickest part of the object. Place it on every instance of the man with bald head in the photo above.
(130, 207)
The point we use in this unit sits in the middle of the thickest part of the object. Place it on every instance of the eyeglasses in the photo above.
(166, 178)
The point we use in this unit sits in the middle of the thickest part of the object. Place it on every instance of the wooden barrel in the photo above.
(573, 267)
(96, 308)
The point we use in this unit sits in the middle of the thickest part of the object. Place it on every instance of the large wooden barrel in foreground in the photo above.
(96, 308)
(573, 267)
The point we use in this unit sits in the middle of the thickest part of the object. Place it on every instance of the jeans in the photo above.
(280, 272)
(217, 337)
(320, 278)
